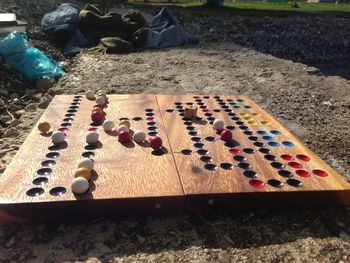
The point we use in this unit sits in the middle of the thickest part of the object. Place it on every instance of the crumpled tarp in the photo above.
(166, 31)
(63, 26)
(30, 62)
(73, 29)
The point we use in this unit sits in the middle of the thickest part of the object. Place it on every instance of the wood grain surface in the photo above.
(132, 178)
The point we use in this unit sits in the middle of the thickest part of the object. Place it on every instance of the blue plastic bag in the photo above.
(30, 62)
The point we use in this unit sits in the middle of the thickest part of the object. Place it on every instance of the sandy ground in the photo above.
(315, 107)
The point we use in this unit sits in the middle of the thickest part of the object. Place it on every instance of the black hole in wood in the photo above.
(68, 119)
(245, 166)
(151, 123)
(35, 191)
(250, 174)
(202, 152)
(206, 159)
(150, 114)
(71, 111)
(66, 124)
(57, 191)
(275, 183)
(265, 150)
(44, 171)
(248, 132)
(216, 110)
(74, 107)
(149, 110)
(253, 138)
(178, 103)
(191, 128)
(124, 119)
(239, 158)
(277, 165)
(53, 155)
(170, 110)
(193, 133)
(294, 182)
(88, 154)
(243, 127)
(285, 173)
(230, 127)
(249, 150)
(198, 145)
(226, 166)
(48, 163)
(186, 152)
(188, 122)
(153, 133)
(70, 115)
(259, 144)
(210, 138)
(40, 181)
(196, 139)
(210, 167)
(206, 97)
(270, 157)
(137, 119)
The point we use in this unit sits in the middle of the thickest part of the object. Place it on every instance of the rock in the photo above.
(141, 239)
(12, 132)
(5, 118)
(19, 113)
(45, 101)
(37, 96)
(224, 257)
(31, 107)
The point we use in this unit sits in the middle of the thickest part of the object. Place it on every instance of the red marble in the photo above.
(226, 135)
(155, 142)
(124, 136)
(96, 116)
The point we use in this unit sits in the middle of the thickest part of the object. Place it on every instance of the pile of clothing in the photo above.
(74, 29)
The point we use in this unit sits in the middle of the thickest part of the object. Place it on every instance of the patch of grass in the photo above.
(264, 8)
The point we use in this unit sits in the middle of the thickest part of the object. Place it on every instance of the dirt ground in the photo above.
(313, 106)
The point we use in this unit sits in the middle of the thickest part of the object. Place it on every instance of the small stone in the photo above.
(83, 172)
(44, 127)
(58, 137)
(92, 137)
(141, 239)
(218, 125)
(139, 136)
(87, 163)
(45, 101)
(80, 185)
(90, 95)
(223, 257)
(19, 113)
(11, 132)
(108, 125)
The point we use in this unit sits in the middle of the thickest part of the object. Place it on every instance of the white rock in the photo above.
(92, 137)
(100, 100)
(90, 95)
(87, 163)
(122, 128)
(80, 185)
(58, 137)
(108, 125)
(139, 136)
(218, 125)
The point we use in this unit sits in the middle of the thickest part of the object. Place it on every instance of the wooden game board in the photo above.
(194, 171)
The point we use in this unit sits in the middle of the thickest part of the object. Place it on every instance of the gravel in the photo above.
(281, 63)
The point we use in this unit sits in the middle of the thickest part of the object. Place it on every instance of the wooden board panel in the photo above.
(196, 170)
(122, 172)
(251, 128)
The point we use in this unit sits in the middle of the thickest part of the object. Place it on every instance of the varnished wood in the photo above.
(133, 179)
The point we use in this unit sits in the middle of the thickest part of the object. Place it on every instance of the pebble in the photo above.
(125, 123)
(19, 113)
(96, 116)
(124, 136)
(218, 125)
(155, 142)
(87, 163)
(11, 132)
(44, 127)
(83, 172)
(80, 185)
(122, 128)
(108, 125)
(45, 101)
(139, 136)
(90, 95)
(100, 100)
(92, 137)
(58, 137)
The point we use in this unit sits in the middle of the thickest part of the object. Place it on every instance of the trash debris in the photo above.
(165, 31)
(9, 23)
(30, 62)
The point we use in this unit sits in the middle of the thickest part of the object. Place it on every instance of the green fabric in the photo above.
(113, 32)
